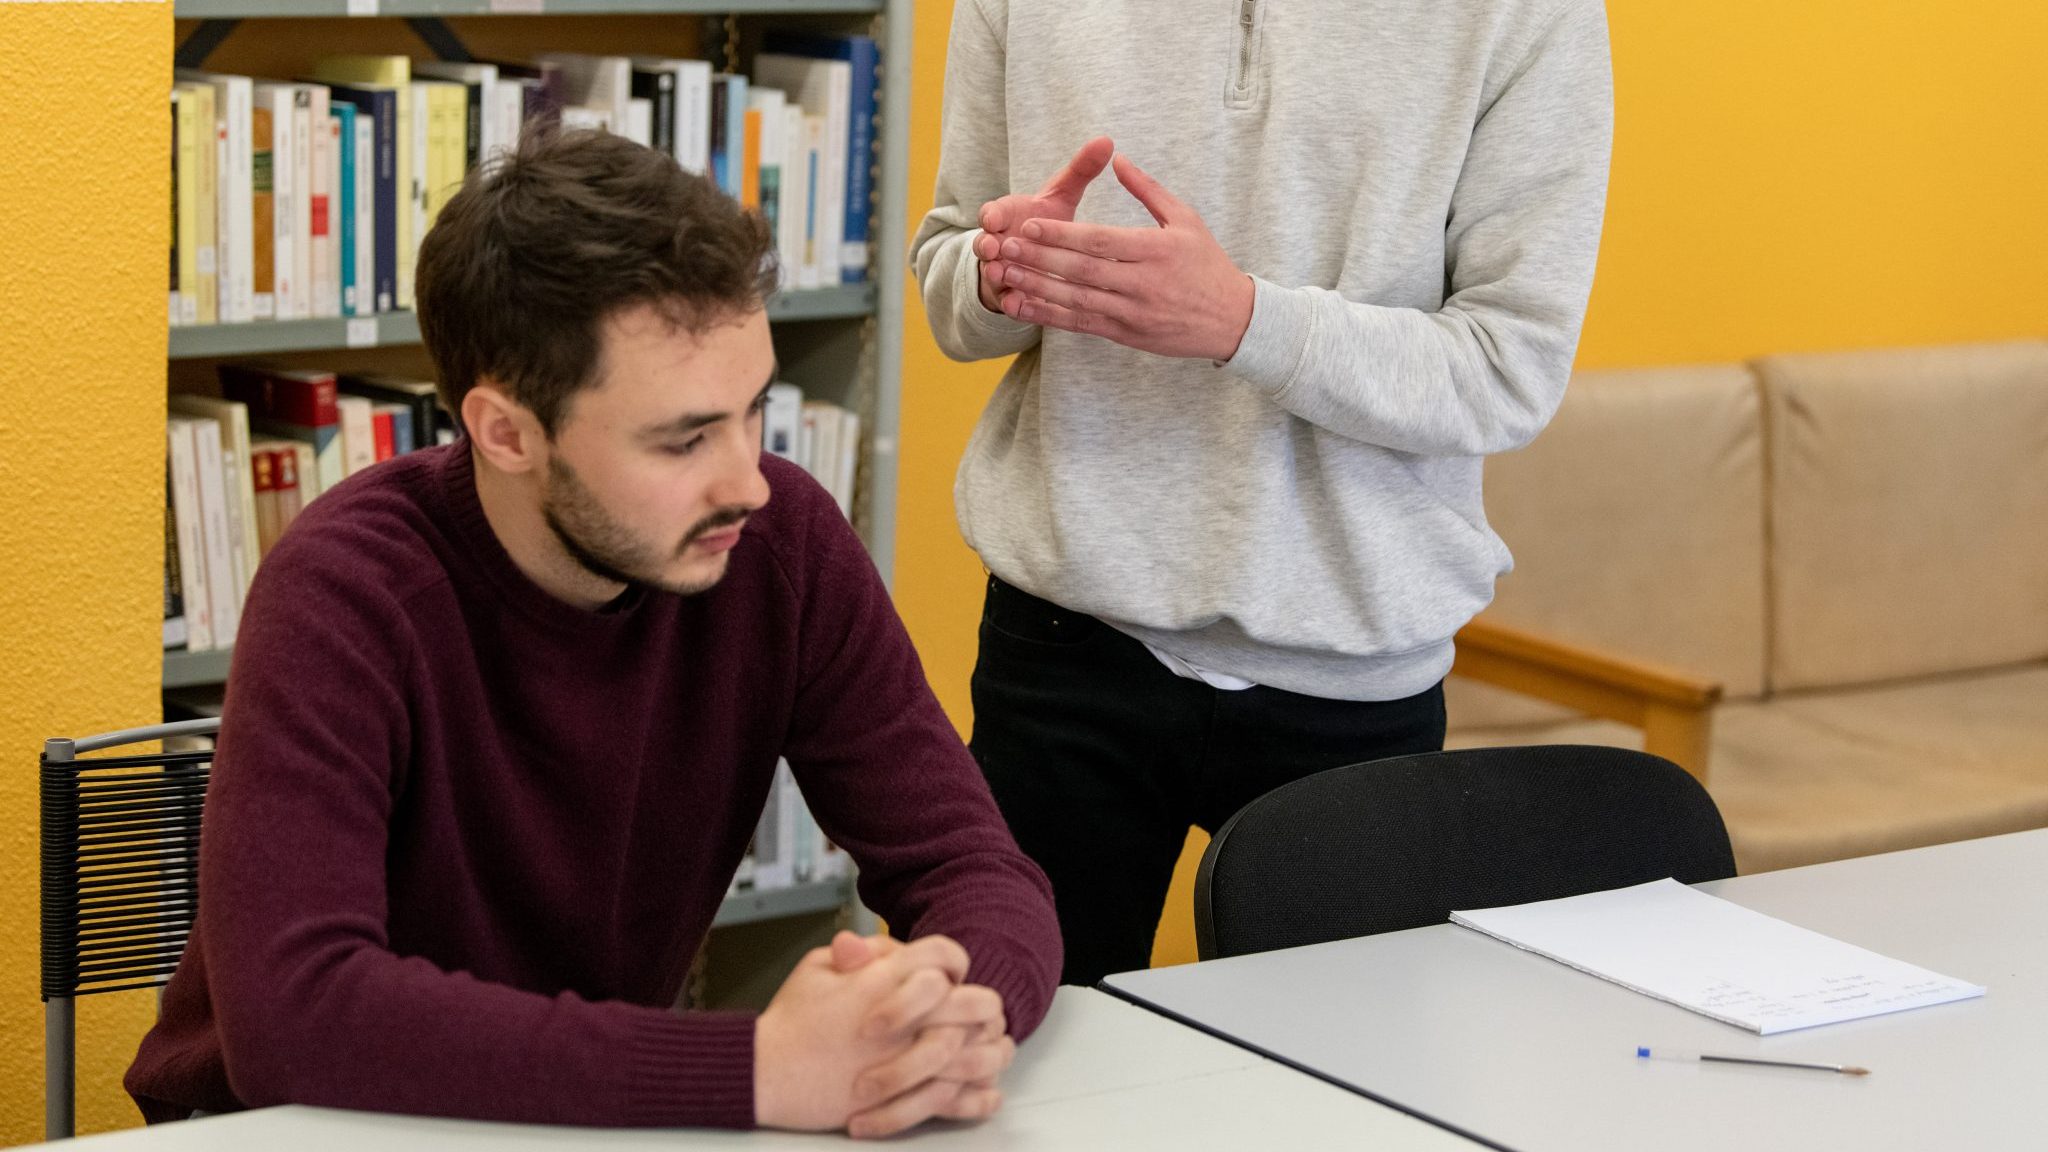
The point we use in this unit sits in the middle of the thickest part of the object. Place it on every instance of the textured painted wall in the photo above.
(84, 237)
(1787, 177)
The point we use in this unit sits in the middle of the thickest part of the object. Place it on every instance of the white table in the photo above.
(1100, 1073)
(1534, 1056)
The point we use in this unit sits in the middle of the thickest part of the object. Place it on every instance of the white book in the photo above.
(302, 202)
(819, 268)
(601, 82)
(782, 422)
(358, 433)
(693, 115)
(421, 150)
(233, 419)
(323, 225)
(221, 593)
(848, 462)
(365, 144)
(309, 471)
(807, 439)
(774, 109)
(505, 112)
(576, 118)
(639, 126)
(824, 419)
(234, 97)
(793, 215)
(280, 100)
(187, 518)
(825, 89)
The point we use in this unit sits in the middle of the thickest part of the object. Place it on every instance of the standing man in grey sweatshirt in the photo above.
(1229, 490)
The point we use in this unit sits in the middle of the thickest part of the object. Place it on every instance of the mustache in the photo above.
(723, 518)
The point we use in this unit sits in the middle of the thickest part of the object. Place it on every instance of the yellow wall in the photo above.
(84, 158)
(1787, 177)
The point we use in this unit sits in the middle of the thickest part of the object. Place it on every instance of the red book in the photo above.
(284, 395)
(387, 447)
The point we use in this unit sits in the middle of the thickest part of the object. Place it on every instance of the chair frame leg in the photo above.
(60, 1068)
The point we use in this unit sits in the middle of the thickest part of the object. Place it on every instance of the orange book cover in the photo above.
(750, 162)
(261, 200)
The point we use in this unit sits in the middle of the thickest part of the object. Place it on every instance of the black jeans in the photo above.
(1101, 758)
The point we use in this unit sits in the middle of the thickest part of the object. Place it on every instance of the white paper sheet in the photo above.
(1719, 959)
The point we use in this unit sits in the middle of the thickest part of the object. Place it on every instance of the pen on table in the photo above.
(1689, 1056)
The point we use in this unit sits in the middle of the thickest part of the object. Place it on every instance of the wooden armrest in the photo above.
(1674, 708)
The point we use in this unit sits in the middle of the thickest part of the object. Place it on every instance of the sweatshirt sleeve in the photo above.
(1486, 371)
(888, 779)
(974, 168)
(311, 1003)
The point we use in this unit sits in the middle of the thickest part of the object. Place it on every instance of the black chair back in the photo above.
(1401, 843)
(120, 879)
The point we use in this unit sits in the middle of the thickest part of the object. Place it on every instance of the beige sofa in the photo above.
(1819, 582)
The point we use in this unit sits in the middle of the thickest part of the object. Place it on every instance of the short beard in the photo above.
(606, 548)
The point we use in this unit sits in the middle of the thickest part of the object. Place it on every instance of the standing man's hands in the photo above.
(876, 1036)
(1058, 200)
(1170, 290)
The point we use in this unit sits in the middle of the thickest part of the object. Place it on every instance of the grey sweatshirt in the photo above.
(1416, 188)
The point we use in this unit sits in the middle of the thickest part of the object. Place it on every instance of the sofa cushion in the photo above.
(1802, 779)
(1909, 512)
(1636, 522)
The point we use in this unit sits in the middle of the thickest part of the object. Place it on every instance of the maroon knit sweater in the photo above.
(463, 839)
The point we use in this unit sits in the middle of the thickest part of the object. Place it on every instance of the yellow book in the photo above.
(190, 138)
(389, 72)
(446, 144)
(206, 308)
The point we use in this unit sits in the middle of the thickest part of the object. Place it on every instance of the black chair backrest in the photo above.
(120, 868)
(1401, 843)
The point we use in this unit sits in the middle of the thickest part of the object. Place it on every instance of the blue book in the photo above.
(728, 131)
(865, 58)
(345, 113)
(401, 429)
(381, 105)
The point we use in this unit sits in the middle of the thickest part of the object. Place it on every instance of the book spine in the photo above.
(323, 224)
(263, 477)
(343, 122)
(262, 214)
(184, 458)
(302, 200)
(175, 633)
(221, 591)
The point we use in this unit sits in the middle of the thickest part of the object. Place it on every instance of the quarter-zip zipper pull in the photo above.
(1246, 11)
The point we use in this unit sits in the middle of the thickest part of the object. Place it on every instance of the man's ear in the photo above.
(504, 431)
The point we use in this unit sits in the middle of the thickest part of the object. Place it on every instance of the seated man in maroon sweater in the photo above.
(503, 715)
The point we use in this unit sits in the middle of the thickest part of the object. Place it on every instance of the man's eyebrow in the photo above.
(689, 422)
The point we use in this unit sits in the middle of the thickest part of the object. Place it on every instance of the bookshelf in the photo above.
(841, 343)
(402, 329)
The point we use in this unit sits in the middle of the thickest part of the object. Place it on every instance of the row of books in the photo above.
(818, 436)
(309, 198)
(240, 468)
(788, 847)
